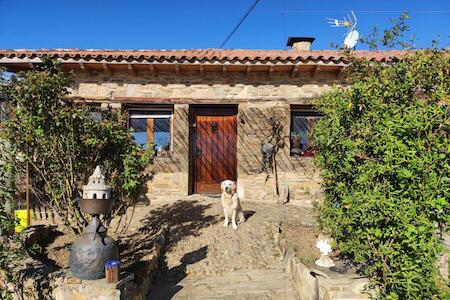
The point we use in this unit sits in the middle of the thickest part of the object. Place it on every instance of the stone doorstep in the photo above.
(211, 293)
(256, 283)
(239, 277)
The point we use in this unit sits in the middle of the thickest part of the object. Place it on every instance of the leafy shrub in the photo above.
(62, 144)
(384, 151)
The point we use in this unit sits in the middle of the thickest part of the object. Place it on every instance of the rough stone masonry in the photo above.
(258, 98)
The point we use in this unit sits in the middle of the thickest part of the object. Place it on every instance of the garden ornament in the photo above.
(268, 151)
(271, 144)
(89, 254)
(324, 245)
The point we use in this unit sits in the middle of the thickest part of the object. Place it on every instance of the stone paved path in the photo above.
(205, 260)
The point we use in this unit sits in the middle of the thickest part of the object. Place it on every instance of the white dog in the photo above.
(230, 203)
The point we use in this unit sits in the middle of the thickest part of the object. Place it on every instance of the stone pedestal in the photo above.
(70, 288)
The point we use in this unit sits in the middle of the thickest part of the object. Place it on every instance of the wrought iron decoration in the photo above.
(271, 144)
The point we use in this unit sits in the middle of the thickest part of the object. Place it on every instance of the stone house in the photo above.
(209, 113)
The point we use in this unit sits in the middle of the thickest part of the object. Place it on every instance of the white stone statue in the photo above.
(324, 245)
(96, 187)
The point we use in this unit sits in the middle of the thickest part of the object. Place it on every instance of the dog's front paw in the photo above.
(225, 224)
(234, 226)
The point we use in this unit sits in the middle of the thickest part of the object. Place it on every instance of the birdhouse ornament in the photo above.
(96, 187)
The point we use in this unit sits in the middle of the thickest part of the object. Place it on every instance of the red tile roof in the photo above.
(200, 55)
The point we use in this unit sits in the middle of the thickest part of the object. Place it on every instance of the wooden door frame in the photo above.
(192, 137)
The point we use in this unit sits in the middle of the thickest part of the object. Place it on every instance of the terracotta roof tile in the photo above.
(200, 55)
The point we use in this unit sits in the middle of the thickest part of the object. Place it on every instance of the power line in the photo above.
(334, 11)
(249, 10)
(358, 11)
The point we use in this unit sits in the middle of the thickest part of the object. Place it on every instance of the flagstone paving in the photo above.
(205, 260)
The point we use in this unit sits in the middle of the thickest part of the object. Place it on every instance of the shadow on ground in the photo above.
(167, 284)
(182, 218)
(42, 236)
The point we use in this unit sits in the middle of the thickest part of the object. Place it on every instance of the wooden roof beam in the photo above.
(295, 71)
(84, 68)
(338, 73)
(107, 69)
(152, 69)
(202, 70)
(248, 71)
(270, 72)
(225, 70)
(132, 70)
(315, 69)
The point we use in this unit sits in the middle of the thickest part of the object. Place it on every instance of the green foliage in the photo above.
(384, 151)
(392, 37)
(62, 145)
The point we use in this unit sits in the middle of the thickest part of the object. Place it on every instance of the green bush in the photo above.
(384, 151)
(62, 144)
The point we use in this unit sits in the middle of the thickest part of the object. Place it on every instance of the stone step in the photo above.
(249, 284)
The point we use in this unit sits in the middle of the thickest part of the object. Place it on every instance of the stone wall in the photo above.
(312, 282)
(258, 97)
(213, 85)
(297, 178)
(171, 173)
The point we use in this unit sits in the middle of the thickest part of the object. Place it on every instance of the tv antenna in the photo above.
(349, 22)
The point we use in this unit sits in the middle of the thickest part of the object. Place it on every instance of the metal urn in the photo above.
(89, 254)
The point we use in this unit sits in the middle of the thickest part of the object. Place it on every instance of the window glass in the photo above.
(95, 115)
(152, 128)
(302, 125)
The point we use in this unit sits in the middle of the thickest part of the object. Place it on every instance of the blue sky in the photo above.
(151, 24)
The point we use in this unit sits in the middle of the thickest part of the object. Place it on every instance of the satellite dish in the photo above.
(351, 39)
(352, 36)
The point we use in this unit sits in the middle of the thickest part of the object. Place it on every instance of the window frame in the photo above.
(302, 110)
(154, 109)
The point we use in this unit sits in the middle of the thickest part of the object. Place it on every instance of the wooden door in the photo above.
(214, 151)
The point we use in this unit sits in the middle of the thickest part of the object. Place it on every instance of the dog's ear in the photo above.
(234, 186)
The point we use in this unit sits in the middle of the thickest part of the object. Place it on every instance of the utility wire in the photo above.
(346, 11)
(333, 11)
(249, 10)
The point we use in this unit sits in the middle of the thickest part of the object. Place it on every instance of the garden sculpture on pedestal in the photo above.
(324, 245)
(89, 254)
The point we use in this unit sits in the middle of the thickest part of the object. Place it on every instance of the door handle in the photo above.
(198, 152)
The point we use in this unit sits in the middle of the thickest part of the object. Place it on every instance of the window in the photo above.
(303, 120)
(95, 111)
(152, 127)
(95, 114)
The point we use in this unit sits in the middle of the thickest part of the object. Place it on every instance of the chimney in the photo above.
(300, 43)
